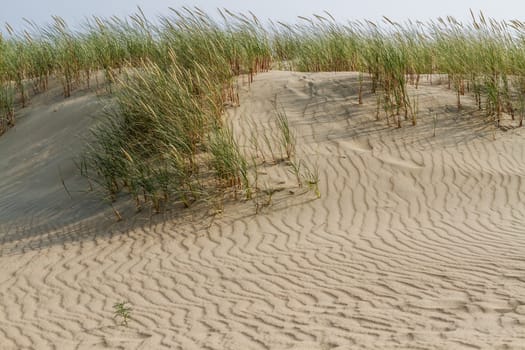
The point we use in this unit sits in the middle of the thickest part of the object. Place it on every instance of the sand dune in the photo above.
(416, 243)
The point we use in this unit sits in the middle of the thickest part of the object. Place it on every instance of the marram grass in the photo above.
(165, 139)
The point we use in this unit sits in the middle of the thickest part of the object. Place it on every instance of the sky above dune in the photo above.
(74, 11)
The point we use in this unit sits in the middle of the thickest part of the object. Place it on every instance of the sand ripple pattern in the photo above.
(418, 242)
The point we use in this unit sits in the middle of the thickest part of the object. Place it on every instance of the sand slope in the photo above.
(35, 156)
(417, 242)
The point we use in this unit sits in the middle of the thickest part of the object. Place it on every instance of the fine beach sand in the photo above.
(417, 242)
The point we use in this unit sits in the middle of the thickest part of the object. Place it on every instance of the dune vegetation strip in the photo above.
(165, 139)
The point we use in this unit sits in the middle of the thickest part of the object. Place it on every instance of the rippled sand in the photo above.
(417, 241)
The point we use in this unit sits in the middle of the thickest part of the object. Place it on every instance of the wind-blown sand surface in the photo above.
(417, 241)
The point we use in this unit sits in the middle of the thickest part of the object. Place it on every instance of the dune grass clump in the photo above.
(68, 50)
(228, 162)
(31, 57)
(237, 46)
(165, 140)
(318, 45)
(16, 65)
(149, 145)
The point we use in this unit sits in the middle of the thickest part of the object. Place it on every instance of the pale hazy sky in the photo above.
(40, 11)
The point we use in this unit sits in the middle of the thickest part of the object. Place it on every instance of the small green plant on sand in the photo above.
(306, 175)
(122, 312)
(311, 178)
